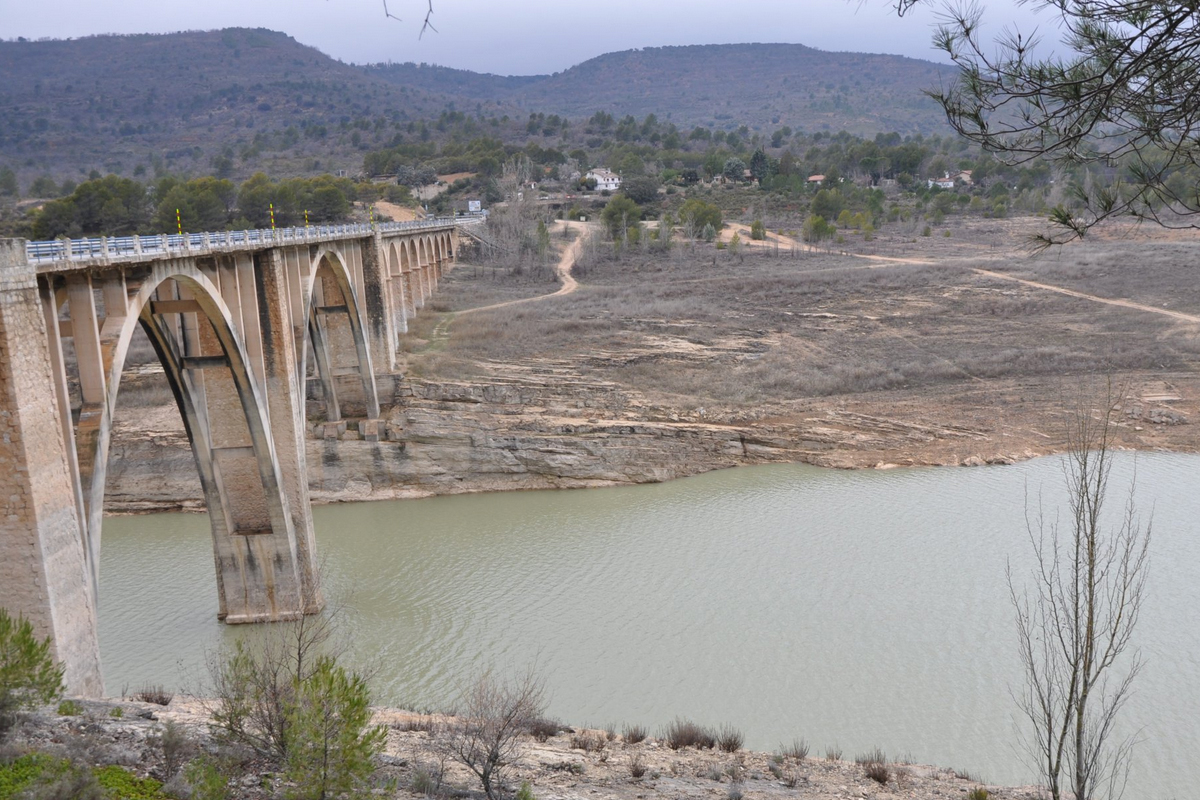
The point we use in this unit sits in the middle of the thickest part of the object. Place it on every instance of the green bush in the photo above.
(28, 675)
(206, 780)
(758, 231)
(119, 783)
(69, 708)
(331, 744)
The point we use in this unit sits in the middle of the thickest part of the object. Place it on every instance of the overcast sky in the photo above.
(513, 37)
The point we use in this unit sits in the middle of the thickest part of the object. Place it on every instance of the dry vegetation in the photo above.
(915, 333)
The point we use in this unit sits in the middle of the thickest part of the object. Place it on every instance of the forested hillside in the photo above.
(755, 84)
(233, 102)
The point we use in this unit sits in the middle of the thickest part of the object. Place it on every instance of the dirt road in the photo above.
(562, 269)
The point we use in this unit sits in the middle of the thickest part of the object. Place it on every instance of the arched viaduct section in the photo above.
(247, 326)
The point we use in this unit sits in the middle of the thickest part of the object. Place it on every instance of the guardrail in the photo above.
(135, 248)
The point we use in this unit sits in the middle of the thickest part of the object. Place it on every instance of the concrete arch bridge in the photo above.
(244, 324)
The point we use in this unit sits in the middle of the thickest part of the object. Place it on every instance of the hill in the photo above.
(185, 100)
(234, 101)
(722, 86)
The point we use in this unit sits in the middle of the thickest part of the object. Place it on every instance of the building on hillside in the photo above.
(816, 180)
(606, 179)
(942, 183)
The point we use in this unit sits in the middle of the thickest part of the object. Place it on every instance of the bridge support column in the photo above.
(286, 409)
(379, 306)
(42, 570)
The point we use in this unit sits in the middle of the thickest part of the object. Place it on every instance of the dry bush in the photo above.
(877, 772)
(876, 756)
(730, 739)
(632, 734)
(174, 744)
(486, 736)
(637, 765)
(685, 733)
(154, 694)
(588, 741)
(833, 753)
(542, 728)
(798, 750)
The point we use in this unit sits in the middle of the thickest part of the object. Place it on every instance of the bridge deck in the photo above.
(62, 254)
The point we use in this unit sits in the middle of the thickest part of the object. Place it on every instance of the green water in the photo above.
(858, 608)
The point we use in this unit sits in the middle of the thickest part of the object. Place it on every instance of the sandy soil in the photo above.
(395, 213)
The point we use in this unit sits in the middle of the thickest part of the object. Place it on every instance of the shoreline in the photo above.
(573, 764)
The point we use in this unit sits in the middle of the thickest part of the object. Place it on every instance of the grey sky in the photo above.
(512, 36)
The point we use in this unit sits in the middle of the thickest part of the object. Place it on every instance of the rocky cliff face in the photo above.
(524, 428)
(447, 438)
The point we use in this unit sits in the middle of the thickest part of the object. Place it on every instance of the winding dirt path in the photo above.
(1094, 298)
(562, 269)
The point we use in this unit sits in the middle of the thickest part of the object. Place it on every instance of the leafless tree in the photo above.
(1075, 624)
(494, 713)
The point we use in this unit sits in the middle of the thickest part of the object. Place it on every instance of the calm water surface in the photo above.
(858, 608)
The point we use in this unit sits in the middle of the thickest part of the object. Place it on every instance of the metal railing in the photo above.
(107, 249)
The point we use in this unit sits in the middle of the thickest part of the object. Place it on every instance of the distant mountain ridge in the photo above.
(197, 101)
(753, 84)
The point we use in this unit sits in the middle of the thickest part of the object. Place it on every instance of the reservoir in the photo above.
(858, 609)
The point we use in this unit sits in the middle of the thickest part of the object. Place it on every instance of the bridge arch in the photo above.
(399, 291)
(337, 331)
(263, 569)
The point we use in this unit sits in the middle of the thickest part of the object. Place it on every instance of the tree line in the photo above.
(116, 206)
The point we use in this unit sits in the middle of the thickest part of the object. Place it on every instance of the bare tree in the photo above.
(494, 713)
(1075, 624)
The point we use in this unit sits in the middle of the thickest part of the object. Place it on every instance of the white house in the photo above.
(605, 179)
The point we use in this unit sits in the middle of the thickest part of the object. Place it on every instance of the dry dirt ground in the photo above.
(572, 765)
(901, 350)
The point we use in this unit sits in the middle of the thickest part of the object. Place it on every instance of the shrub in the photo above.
(587, 741)
(637, 765)
(758, 231)
(525, 792)
(115, 712)
(730, 739)
(928, 231)
(206, 780)
(69, 708)
(543, 728)
(486, 737)
(425, 781)
(833, 753)
(632, 734)
(331, 743)
(685, 733)
(978, 793)
(878, 773)
(176, 746)
(798, 750)
(735, 791)
(254, 684)
(875, 756)
(40, 777)
(120, 782)
(154, 694)
(28, 675)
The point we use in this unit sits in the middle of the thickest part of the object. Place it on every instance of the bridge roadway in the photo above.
(246, 324)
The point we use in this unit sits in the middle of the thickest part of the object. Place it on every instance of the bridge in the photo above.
(246, 324)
